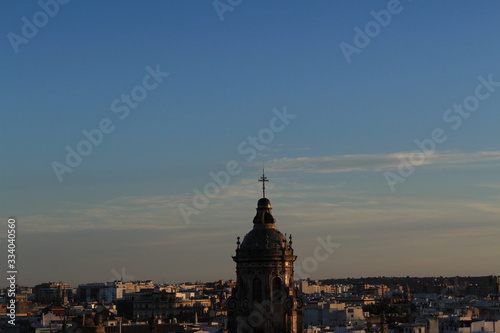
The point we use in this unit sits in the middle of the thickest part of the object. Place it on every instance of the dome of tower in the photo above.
(262, 238)
(264, 234)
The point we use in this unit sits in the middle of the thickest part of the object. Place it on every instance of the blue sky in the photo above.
(118, 210)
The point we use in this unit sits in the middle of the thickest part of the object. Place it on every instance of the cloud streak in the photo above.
(123, 213)
(375, 162)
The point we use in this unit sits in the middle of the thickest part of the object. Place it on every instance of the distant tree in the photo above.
(380, 308)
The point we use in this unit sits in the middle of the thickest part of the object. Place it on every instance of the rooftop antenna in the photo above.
(263, 179)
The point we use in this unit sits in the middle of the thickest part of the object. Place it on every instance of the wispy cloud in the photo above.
(375, 162)
(122, 213)
(493, 186)
(317, 202)
(485, 207)
(369, 227)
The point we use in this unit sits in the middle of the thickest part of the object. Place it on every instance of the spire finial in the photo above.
(263, 179)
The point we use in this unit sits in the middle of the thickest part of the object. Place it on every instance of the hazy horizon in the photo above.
(134, 135)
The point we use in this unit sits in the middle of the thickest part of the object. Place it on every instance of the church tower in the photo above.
(265, 299)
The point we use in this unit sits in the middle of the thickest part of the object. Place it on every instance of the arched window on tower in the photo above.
(257, 290)
(278, 293)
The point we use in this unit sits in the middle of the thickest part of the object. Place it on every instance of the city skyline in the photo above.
(133, 136)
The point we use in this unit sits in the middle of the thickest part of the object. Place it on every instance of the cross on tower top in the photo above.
(263, 179)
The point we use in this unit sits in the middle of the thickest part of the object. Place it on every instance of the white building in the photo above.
(117, 290)
(480, 326)
(333, 314)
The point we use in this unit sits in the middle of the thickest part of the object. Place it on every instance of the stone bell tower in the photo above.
(265, 299)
